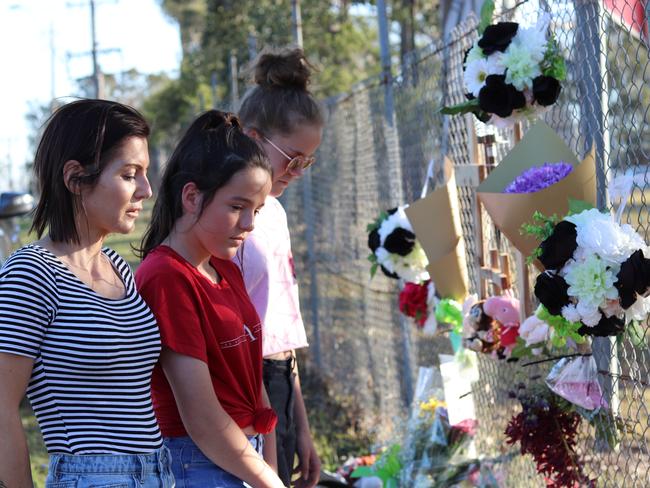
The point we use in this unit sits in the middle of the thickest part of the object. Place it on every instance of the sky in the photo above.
(141, 36)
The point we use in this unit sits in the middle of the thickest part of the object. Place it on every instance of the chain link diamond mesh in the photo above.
(360, 334)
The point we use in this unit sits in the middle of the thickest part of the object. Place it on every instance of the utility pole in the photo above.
(234, 83)
(296, 22)
(52, 66)
(97, 76)
(93, 36)
(252, 46)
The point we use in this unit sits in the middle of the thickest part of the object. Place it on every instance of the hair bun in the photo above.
(215, 119)
(282, 68)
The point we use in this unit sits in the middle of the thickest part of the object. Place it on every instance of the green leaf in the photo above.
(636, 333)
(520, 350)
(553, 63)
(487, 11)
(563, 328)
(363, 472)
(578, 206)
(462, 108)
(373, 269)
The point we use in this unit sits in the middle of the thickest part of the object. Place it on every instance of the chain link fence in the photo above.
(369, 162)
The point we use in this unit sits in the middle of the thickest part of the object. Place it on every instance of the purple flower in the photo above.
(539, 177)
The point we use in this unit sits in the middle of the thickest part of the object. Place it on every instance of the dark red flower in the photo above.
(401, 241)
(559, 247)
(374, 241)
(546, 90)
(633, 278)
(500, 98)
(413, 301)
(551, 290)
(497, 37)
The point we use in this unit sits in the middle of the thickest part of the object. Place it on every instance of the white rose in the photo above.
(534, 331)
(383, 258)
(570, 313)
(639, 310)
(387, 226)
(589, 315)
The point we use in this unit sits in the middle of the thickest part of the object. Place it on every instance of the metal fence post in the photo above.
(392, 181)
(591, 42)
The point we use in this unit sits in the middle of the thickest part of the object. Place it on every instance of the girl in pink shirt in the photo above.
(285, 118)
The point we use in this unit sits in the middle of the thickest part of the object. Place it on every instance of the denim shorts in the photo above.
(192, 469)
(111, 471)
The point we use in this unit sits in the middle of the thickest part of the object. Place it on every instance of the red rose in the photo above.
(413, 301)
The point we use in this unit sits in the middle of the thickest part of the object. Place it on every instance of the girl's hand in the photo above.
(308, 462)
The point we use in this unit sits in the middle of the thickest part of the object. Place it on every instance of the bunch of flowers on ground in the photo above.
(395, 249)
(511, 72)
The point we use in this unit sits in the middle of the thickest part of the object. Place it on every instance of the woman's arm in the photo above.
(309, 462)
(15, 470)
(208, 424)
(270, 447)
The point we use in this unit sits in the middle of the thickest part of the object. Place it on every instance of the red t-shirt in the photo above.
(215, 323)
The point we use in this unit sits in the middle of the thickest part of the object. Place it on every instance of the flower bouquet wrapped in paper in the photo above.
(540, 174)
(436, 220)
(395, 250)
(491, 326)
(512, 72)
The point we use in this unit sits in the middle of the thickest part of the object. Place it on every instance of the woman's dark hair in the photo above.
(280, 101)
(212, 150)
(87, 131)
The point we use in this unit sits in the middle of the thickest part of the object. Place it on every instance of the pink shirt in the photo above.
(271, 281)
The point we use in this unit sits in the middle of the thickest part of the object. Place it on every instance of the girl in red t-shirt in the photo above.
(207, 389)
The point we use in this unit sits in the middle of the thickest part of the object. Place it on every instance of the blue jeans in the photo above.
(111, 471)
(192, 469)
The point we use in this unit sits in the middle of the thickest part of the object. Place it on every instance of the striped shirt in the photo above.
(93, 356)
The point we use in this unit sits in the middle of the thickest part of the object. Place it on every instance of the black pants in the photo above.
(279, 382)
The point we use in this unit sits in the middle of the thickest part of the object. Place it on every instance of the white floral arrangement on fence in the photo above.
(596, 274)
(511, 73)
(395, 250)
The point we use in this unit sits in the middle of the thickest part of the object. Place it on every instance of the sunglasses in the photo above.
(298, 162)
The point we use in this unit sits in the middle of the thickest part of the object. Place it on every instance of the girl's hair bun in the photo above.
(282, 68)
(215, 119)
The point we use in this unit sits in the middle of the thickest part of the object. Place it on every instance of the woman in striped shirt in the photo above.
(74, 333)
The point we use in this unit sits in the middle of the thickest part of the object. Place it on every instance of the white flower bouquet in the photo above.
(395, 250)
(511, 72)
(596, 274)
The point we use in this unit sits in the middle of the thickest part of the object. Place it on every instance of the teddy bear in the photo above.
(480, 331)
(505, 310)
